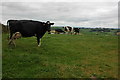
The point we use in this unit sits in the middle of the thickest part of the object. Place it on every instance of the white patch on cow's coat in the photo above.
(52, 31)
(14, 37)
(72, 30)
(17, 35)
(39, 43)
(67, 28)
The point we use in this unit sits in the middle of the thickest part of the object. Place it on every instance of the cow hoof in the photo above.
(38, 45)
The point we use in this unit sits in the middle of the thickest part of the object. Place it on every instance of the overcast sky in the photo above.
(83, 14)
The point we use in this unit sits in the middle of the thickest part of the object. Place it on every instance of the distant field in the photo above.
(62, 56)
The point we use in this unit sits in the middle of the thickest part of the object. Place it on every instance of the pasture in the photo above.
(62, 56)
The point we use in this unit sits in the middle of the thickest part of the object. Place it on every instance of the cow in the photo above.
(118, 33)
(29, 28)
(76, 30)
(71, 30)
(58, 31)
(68, 29)
(52, 32)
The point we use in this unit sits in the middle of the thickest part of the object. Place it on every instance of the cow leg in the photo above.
(71, 33)
(38, 41)
(66, 32)
(14, 43)
(10, 41)
(11, 34)
(75, 33)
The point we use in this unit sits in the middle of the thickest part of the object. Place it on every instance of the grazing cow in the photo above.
(29, 28)
(76, 30)
(71, 30)
(52, 32)
(68, 29)
(118, 33)
(15, 36)
(58, 31)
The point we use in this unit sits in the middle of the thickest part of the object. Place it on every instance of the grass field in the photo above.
(62, 56)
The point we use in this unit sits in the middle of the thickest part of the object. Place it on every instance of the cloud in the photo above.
(60, 0)
(87, 14)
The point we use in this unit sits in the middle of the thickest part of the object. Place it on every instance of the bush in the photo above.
(4, 28)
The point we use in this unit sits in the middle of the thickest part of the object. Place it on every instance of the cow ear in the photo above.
(48, 22)
(51, 23)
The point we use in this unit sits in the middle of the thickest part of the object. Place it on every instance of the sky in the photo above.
(97, 13)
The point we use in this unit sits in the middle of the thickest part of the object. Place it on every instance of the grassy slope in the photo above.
(61, 56)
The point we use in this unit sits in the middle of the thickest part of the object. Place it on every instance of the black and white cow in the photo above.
(68, 29)
(29, 28)
(59, 31)
(76, 31)
(71, 30)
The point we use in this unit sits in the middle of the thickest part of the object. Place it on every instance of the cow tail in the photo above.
(8, 29)
(8, 25)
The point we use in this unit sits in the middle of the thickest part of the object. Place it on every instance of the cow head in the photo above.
(48, 25)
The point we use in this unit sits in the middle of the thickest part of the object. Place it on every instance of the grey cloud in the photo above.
(64, 13)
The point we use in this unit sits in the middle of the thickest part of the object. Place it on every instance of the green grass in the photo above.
(62, 56)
